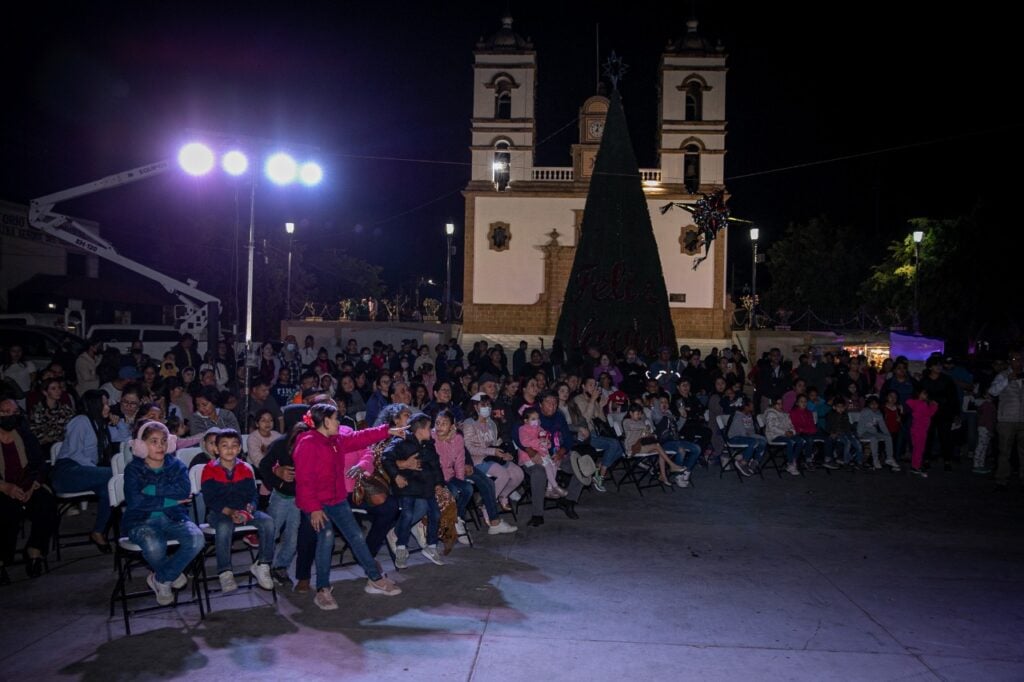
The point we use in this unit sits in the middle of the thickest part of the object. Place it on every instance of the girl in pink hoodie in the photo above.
(532, 436)
(921, 412)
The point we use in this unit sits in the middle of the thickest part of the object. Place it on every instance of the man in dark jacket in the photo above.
(416, 490)
(185, 354)
(941, 389)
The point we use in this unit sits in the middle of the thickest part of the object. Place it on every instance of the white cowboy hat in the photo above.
(583, 467)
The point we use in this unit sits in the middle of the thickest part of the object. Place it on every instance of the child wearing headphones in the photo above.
(157, 496)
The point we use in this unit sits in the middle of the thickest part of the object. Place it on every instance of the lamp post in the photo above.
(449, 230)
(290, 229)
(918, 236)
(754, 234)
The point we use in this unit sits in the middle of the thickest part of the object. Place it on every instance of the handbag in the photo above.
(604, 429)
(370, 491)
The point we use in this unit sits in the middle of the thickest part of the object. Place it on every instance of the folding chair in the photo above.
(195, 476)
(639, 469)
(776, 450)
(65, 502)
(128, 555)
(735, 449)
(186, 455)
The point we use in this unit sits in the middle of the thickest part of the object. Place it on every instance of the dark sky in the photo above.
(98, 90)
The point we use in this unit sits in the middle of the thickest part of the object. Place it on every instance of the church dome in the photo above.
(505, 39)
(693, 41)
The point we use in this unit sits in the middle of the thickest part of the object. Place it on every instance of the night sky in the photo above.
(92, 92)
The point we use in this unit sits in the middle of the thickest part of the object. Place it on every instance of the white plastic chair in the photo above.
(186, 455)
(117, 465)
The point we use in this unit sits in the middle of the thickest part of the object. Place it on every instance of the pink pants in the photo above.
(507, 477)
(918, 441)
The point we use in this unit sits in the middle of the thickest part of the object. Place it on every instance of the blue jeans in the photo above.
(414, 509)
(71, 477)
(611, 449)
(341, 516)
(485, 486)
(152, 538)
(687, 454)
(462, 491)
(225, 528)
(383, 518)
(795, 444)
(286, 515)
(850, 447)
(755, 446)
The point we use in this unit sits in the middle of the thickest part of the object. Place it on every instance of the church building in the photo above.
(523, 221)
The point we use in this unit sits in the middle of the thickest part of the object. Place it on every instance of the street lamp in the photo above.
(754, 234)
(918, 236)
(449, 230)
(290, 229)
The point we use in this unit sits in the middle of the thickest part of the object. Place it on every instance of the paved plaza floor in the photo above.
(865, 576)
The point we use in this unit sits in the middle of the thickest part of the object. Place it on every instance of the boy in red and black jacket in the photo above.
(229, 490)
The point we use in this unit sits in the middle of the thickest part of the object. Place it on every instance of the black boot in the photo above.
(569, 508)
(535, 521)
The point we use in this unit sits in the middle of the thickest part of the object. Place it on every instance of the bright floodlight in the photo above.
(196, 158)
(499, 166)
(311, 174)
(289, 228)
(449, 228)
(918, 236)
(234, 163)
(282, 168)
(754, 234)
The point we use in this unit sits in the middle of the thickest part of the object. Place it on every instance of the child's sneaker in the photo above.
(164, 595)
(430, 551)
(598, 483)
(401, 556)
(793, 469)
(502, 527)
(252, 540)
(460, 532)
(325, 600)
(262, 573)
(180, 582)
(742, 467)
(227, 582)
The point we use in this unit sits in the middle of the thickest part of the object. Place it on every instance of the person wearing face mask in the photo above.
(486, 449)
(23, 493)
(290, 356)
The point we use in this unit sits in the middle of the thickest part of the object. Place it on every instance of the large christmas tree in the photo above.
(616, 297)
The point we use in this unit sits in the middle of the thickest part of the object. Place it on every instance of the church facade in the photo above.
(523, 221)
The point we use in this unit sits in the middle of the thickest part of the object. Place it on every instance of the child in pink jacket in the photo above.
(921, 412)
(532, 436)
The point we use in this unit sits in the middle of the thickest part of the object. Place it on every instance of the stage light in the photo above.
(234, 163)
(195, 158)
(281, 169)
(311, 174)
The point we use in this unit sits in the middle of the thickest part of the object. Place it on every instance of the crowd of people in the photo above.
(297, 443)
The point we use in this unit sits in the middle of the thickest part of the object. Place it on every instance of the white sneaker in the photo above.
(401, 556)
(325, 600)
(382, 586)
(891, 463)
(164, 595)
(685, 474)
(502, 527)
(683, 481)
(180, 582)
(430, 551)
(420, 535)
(793, 469)
(262, 573)
(227, 582)
(460, 532)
